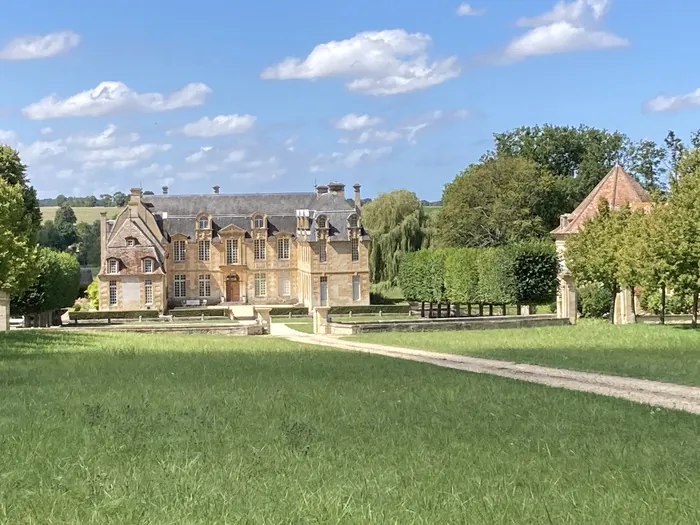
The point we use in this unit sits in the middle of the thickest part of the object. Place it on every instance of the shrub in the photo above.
(199, 312)
(371, 309)
(462, 275)
(126, 314)
(676, 303)
(93, 293)
(294, 310)
(496, 279)
(535, 266)
(594, 301)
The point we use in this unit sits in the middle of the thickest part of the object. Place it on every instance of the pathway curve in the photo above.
(656, 393)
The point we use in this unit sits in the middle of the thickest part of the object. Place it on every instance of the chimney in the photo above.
(322, 189)
(356, 187)
(165, 190)
(216, 189)
(337, 188)
(134, 201)
(564, 220)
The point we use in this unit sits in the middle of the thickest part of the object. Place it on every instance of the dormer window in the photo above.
(112, 266)
(321, 222)
(130, 241)
(258, 222)
(352, 221)
(203, 223)
(148, 265)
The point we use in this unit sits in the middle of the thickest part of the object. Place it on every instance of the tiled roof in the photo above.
(618, 187)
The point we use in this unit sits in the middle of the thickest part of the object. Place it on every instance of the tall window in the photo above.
(352, 221)
(355, 287)
(112, 293)
(260, 285)
(259, 249)
(231, 251)
(285, 285)
(283, 249)
(324, 290)
(321, 222)
(179, 251)
(147, 265)
(322, 252)
(205, 285)
(148, 291)
(259, 221)
(180, 287)
(203, 223)
(113, 266)
(204, 250)
(355, 248)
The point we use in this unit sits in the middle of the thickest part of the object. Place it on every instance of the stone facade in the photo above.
(4, 312)
(264, 249)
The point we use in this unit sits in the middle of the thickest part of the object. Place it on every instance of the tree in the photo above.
(492, 203)
(120, 199)
(61, 199)
(106, 199)
(647, 162)
(49, 236)
(64, 222)
(13, 172)
(89, 243)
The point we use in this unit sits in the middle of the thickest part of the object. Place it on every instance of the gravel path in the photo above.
(656, 393)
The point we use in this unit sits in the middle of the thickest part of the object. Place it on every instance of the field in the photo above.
(432, 210)
(83, 214)
(666, 353)
(126, 428)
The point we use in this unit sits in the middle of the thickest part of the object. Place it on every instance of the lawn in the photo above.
(665, 353)
(82, 213)
(149, 429)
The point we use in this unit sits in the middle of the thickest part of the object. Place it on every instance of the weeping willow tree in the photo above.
(398, 225)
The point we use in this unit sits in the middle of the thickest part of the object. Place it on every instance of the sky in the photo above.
(276, 96)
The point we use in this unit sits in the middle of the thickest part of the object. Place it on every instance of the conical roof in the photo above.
(618, 187)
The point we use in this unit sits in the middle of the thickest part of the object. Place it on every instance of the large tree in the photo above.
(497, 201)
(65, 221)
(14, 173)
(89, 243)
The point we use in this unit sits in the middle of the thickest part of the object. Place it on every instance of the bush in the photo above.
(126, 314)
(462, 275)
(496, 279)
(676, 304)
(93, 293)
(594, 301)
(535, 266)
(199, 312)
(371, 309)
(294, 310)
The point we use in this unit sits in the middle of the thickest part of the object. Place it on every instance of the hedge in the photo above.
(370, 309)
(199, 312)
(127, 314)
(293, 310)
(422, 276)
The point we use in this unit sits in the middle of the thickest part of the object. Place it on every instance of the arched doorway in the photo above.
(233, 288)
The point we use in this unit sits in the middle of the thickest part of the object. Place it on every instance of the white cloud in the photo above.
(156, 170)
(36, 46)
(465, 9)
(384, 62)
(235, 156)
(219, 125)
(106, 139)
(115, 97)
(41, 150)
(379, 135)
(352, 122)
(120, 157)
(7, 136)
(349, 160)
(674, 103)
(567, 27)
(46, 131)
(198, 155)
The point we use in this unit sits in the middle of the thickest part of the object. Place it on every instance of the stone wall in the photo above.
(4, 312)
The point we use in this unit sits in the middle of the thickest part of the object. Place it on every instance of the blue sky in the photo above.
(274, 96)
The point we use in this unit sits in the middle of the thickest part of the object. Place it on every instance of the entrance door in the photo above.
(324, 291)
(233, 289)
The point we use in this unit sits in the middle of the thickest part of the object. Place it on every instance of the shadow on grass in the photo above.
(43, 343)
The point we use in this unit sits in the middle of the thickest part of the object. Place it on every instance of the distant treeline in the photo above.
(116, 199)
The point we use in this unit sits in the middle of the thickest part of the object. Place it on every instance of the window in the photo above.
(112, 293)
(259, 221)
(260, 285)
(321, 222)
(355, 248)
(355, 287)
(283, 249)
(204, 250)
(180, 286)
(112, 266)
(322, 252)
(179, 251)
(352, 221)
(147, 265)
(231, 251)
(285, 285)
(259, 249)
(324, 291)
(204, 285)
(148, 291)
(203, 223)
(130, 241)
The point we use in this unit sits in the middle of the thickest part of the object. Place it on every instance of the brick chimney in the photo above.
(216, 189)
(165, 190)
(337, 188)
(134, 201)
(358, 201)
(321, 189)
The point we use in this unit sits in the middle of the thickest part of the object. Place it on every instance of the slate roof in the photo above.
(618, 187)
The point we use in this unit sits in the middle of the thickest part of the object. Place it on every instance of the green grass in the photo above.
(83, 213)
(432, 210)
(654, 352)
(148, 429)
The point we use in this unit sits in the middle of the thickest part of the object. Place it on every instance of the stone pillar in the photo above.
(566, 299)
(321, 320)
(4, 312)
(263, 317)
(624, 310)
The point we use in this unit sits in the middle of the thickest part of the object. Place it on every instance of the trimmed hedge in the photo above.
(371, 309)
(127, 314)
(293, 310)
(199, 312)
